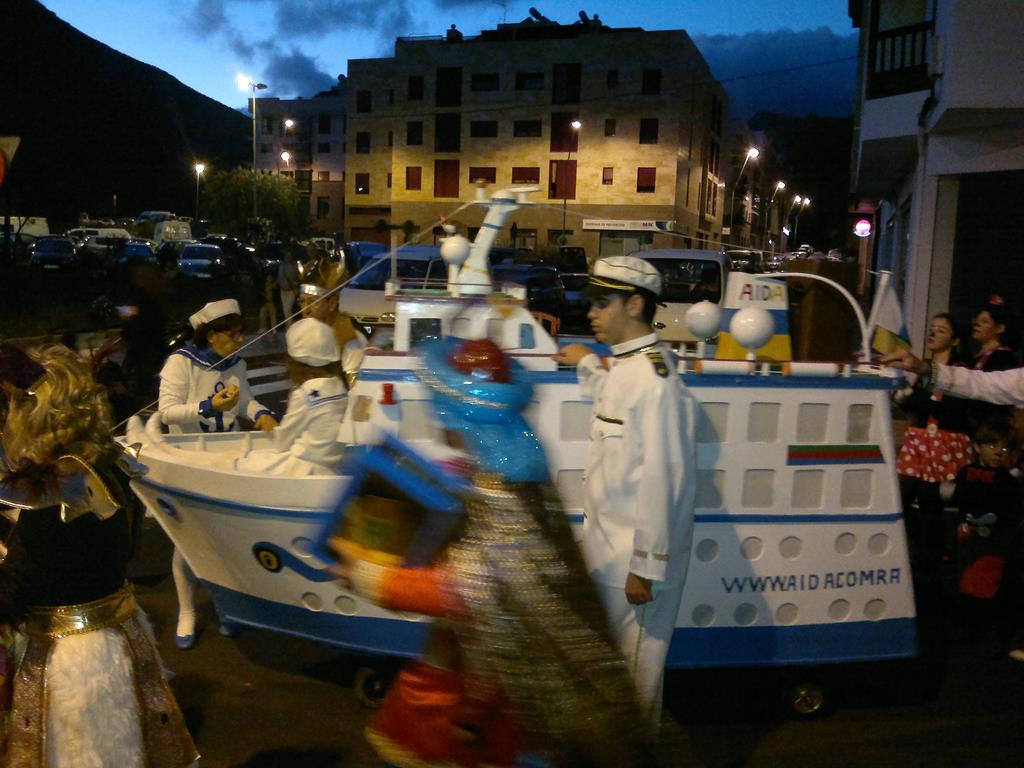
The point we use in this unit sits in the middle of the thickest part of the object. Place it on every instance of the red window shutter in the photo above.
(646, 179)
(446, 178)
(522, 175)
(413, 177)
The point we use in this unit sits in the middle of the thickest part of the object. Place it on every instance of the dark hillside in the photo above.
(95, 123)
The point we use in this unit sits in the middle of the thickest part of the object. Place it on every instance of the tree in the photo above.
(227, 198)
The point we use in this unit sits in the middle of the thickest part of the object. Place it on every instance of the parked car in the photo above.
(689, 275)
(53, 252)
(572, 259)
(240, 255)
(127, 253)
(364, 297)
(167, 253)
(544, 289)
(359, 252)
(202, 261)
(575, 305)
(746, 260)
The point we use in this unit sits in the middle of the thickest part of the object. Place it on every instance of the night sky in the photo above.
(298, 47)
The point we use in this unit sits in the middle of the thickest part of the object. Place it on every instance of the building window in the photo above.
(613, 78)
(446, 178)
(609, 126)
(607, 175)
(323, 124)
(645, 179)
(522, 129)
(565, 86)
(391, 138)
(288, 174)
(484, 81)
(362, 183)
(264, 148)
(323, 175)
(447, 132)
(323, 148)
(362, 142)
(414, 133)
(391, 95)
(413, 177)
(529, 81)
(364, 101)
(562, 180)
(323, 207)
(483, 129)
(480, 173)
(389, 180)
(564, 138)
(524, 175)
(648, 130)
(268, 126)
(651, 85)
(415, 88)
(449, 86)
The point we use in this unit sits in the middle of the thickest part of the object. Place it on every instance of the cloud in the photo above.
(789, 85)
(296, 73)
(208, 17)
(316, 18)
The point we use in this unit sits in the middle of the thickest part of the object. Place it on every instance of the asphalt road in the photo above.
(263, 699)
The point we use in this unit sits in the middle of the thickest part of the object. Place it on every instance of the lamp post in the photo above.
(246, 83)
(286, 156)
(779, 187)
(199, 168)
(751, 154)
(576, 125)
(796, 222)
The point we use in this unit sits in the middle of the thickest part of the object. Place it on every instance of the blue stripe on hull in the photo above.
(691, 647)
(854, 641)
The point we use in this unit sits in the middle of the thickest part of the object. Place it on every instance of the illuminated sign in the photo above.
(862, 228)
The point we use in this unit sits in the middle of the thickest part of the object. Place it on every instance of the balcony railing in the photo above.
(899, 60)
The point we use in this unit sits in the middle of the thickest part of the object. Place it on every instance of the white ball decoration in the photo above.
(704, 319)
(752, 327)
(455, 250)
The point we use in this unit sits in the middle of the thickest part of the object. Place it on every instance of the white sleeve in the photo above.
(592, 375)
(665, 438)
(352, 354)
(293, 423)
(248, 404)
(174, 404)
(999, 387)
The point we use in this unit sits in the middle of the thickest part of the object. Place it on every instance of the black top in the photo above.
(51, 563)
(923, 405)
(978, 412)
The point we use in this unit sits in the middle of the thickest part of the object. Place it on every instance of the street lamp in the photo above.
(246, 83)
(199, 168)
(752, 154)
(576, 125)
(286, 156)
(779, 187)
(796, 222)
(288, 123)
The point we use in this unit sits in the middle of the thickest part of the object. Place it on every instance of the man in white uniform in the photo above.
(640, 469)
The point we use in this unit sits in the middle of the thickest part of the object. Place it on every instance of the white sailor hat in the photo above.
(623, 273)
(312, 342)
(213, 310)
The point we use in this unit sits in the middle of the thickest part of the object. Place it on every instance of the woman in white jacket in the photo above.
(203, 387)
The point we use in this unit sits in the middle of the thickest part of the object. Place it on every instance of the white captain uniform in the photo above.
(639, 495)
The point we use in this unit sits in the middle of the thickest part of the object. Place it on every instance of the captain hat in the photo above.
(312, 342)
(623, 273)
(214, 310)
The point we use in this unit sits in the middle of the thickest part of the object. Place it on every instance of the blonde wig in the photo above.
(65, 412)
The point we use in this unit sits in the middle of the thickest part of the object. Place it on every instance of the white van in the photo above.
(690, 275)
(171, 229)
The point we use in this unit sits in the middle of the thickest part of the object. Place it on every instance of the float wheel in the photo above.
(371, 683)
(808, 699)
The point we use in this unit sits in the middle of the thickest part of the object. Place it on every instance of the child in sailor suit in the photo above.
(306, 440)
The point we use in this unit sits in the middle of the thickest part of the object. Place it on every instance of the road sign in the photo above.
(8, 146)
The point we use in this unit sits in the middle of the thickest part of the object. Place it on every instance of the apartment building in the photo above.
(620, 129)
(305, 139)
(939, 144)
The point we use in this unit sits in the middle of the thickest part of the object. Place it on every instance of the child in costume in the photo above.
(522, 660)
(89, 689)
(318, 299)
(203, 387)
(306, 440)
(988, 498)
